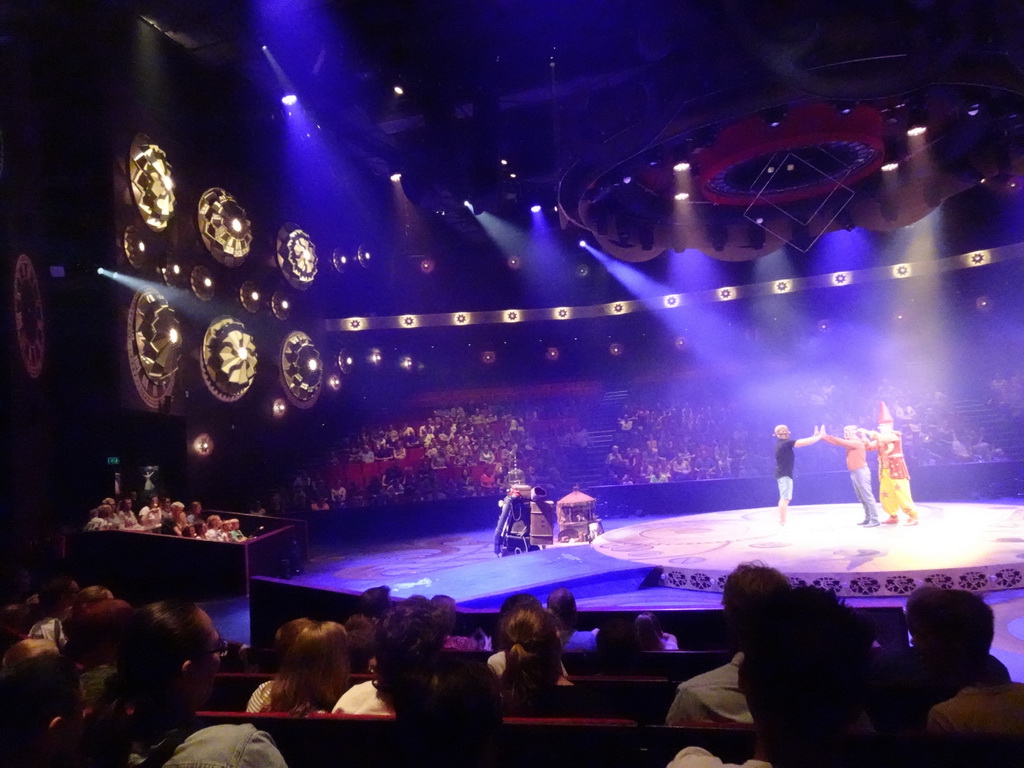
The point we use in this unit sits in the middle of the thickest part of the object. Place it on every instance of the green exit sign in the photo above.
(113, 460)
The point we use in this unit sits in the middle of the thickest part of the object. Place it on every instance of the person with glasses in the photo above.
(166, 663)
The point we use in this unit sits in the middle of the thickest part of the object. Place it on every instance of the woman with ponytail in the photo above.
(169, 654)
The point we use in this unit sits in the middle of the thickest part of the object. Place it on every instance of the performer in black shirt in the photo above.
(784, 463)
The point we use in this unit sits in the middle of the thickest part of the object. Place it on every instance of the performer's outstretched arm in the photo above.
(818, 433)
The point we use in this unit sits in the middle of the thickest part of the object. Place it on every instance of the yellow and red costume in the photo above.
(893, 475)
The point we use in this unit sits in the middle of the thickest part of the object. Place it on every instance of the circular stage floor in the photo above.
(979, 547)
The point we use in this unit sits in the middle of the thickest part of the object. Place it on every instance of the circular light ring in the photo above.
(363, 257)
(279, 407)
(173, 274)
(154, 342)
(250, 296)
(225, 227)
(202, 445)
(280, 305)
(339, 260)
(345, 361)
(201, 280)
(296, 256)
(151, 182)
(28, 316)
(139, 255)
(228, 359)
(302, 370)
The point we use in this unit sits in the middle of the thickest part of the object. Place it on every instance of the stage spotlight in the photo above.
(514, 262)
(375, 356)
(289, 99)
(916, 130)
(224, 227)
(249, 295)
(427, 265)
(202, 445)
(534, 209)
(488, 357)
(201, 281)
(399, 90)
(406, 363)
(363, 257)
(890, 166)
(683, 166)
(396, 177)
(135, 247)
(552, 353)
(334, 381)
(582, 271)
(682, 195)
(279, 305)
(345, 362)
(301, 369)
(279, 407)
(615, 349)
(583, 243)
(504, 161)
(339, 260)
(983, 304)
(681, 343)
(824, 325)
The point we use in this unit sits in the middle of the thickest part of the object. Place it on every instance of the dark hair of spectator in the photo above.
(32, 693)
(618, 650)
(314, 671)
(447, 610)
(533, 660)
(562, 606)
(409, 640)
(375, 603)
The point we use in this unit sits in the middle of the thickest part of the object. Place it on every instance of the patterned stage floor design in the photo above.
(979, 547)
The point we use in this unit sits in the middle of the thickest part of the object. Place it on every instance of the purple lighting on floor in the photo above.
(289, 99)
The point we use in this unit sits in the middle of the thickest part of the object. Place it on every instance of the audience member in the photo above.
(374, 603)
(56, 597)
(448, 611)
(94, 632)
(562, 605)
(409, 640)
(618, 649)
(453, 719)
(716, 696)
(953, 630)
(283, 639)
(361, 645)
(650, 635)
(28, 648)
(40, 713)
(314, 672)
(510, 605)
(166, 664)
(804, 675)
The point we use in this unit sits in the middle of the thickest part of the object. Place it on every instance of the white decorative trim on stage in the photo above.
(978, 547)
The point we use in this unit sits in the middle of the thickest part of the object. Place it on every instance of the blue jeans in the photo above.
(862, 487)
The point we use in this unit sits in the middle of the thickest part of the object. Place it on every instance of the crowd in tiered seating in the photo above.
(804, 677)
(163, 516)
(674, 438)
(450, 453)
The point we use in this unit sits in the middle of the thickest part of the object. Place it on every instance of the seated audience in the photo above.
(215, 529)
(448, 611)
(534, 683)
(361, 644)
(283, 640)
(716, 696)
(102, 519)
(453, 718)
(40, 714)
(374, 603)
(953, 630)
(562, 605)
(409, 641)
(152, 515)
(166, 663)
(94, 632)
(510, 605)
(803, 674)
(650, 635)
(314, 672)
(56, 597)
(618, 649)
(233, 529)
(28, 648)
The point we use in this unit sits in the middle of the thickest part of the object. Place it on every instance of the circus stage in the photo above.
(979, 547)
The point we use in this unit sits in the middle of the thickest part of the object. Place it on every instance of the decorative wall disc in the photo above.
(203, 444)
(302, 370)
(152, 185)
(135, 248)
(228, 359)
(28, 316)
(280, 305)
(339, 259)
(153, 343)
(225, 227)
(250, 296)
(345, 361)
(296, 256)
(201, 280)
